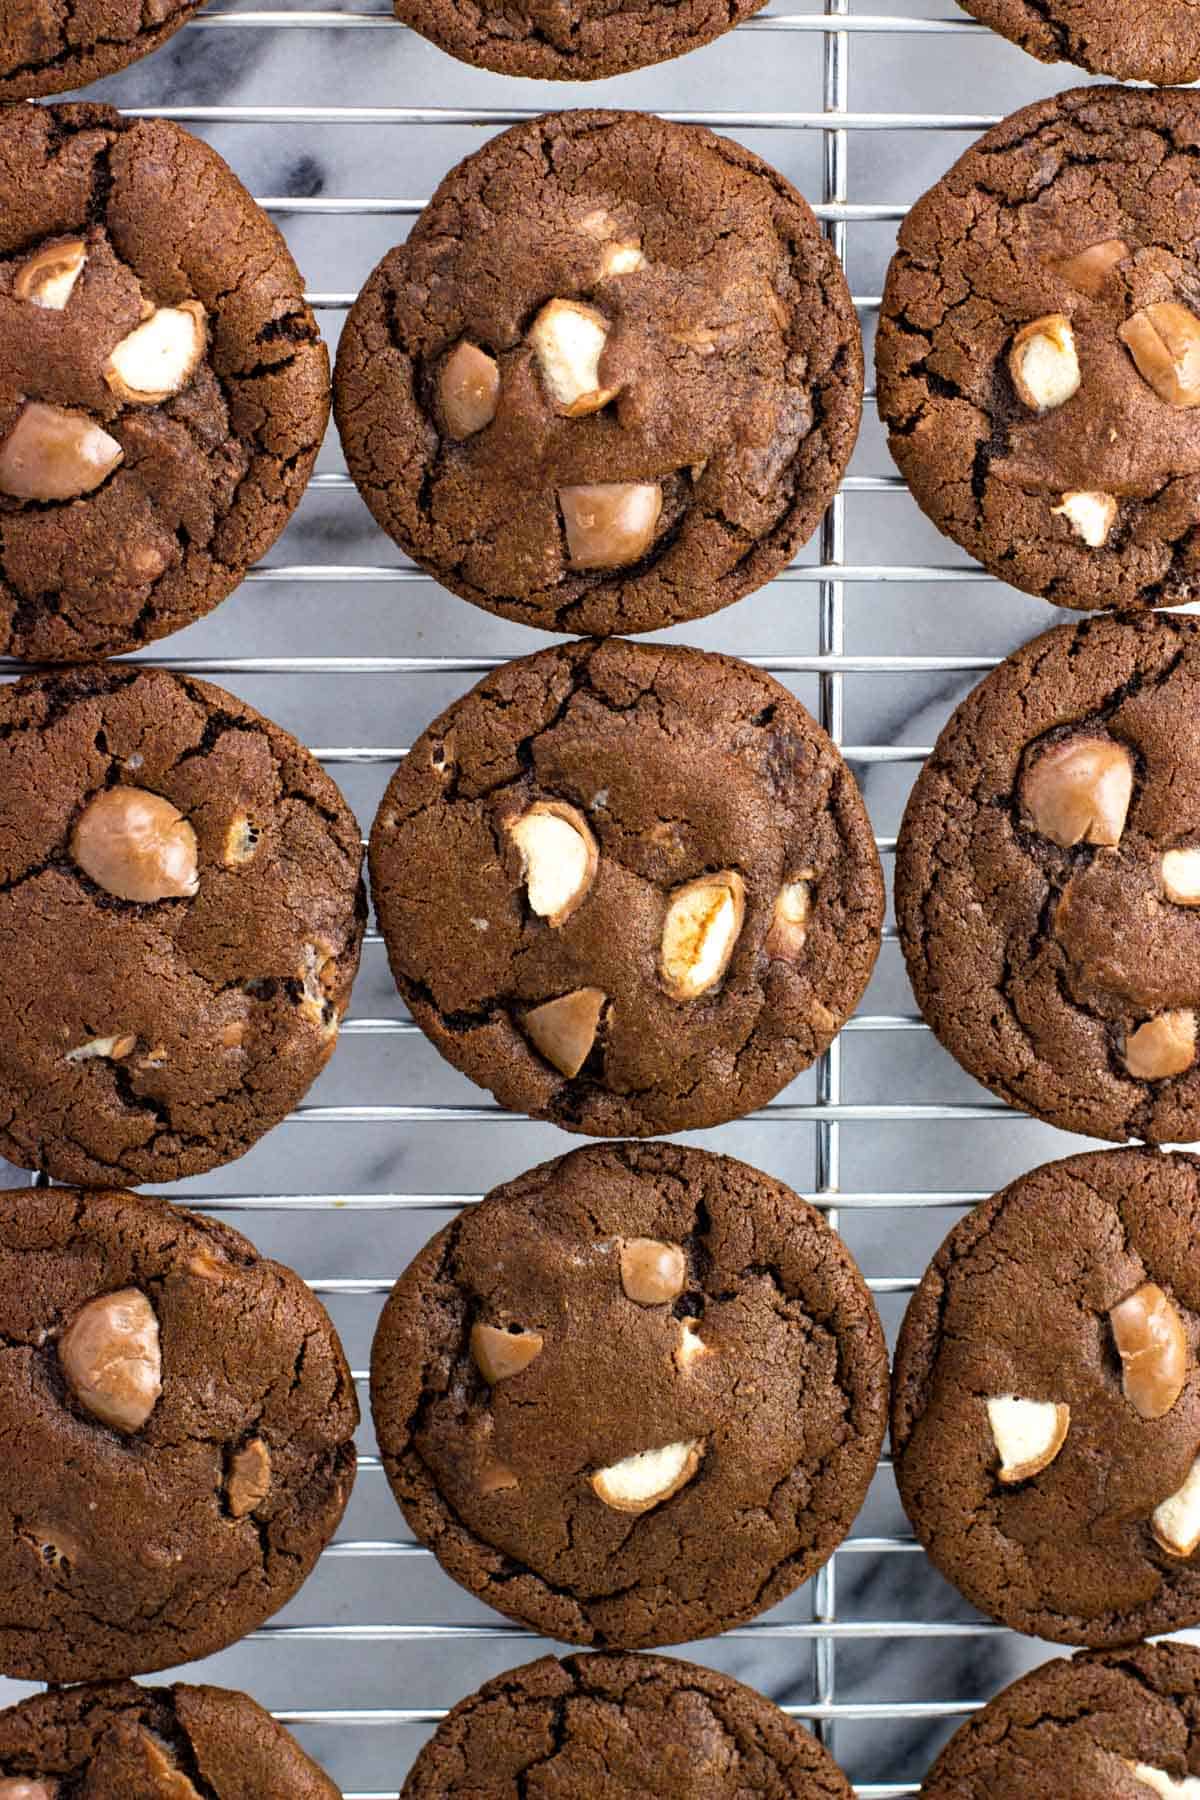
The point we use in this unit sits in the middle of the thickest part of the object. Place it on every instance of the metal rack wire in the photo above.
(826, 1110)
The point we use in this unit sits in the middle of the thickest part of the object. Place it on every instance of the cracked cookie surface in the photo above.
(1078, 214)
(1066, 975)
(686, 286)
(1098, 1723)
(113, 1740)
(154, 506)
(677, 769)
(1141, 40)
(152, 1038)
(133, 1546)
(51, 46)
(621, 1300)
(1019, 1303)
(621, 1724)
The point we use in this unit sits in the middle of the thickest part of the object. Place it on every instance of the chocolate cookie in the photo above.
(1048, 879)
(612, 379)
(628, 888)
(1039, 350)
(180, 919)
(1046, 1400)
(50, 46)
(1121, 1723)
(163, 388)
(635, 1397)
(625, 1725)
(1156, 43)
(571, 40)
(178, 1417)
(114, 1741)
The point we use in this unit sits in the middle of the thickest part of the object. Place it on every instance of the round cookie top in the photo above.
(1048, 879)
(180, 1421)
(1038, 349)
(610, 382)
(163, 388)
(580, 41)
(635, 1397)
(112, 1738)
(621, 1724)
(1122, 1723)
(181, 914)
(1046, 1400)
(646, 891)
(47, 48)
(1158, 43)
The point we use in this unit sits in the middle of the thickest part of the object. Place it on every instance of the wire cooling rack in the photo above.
(879, 627)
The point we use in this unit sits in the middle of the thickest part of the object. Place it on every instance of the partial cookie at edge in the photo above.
(180, 1419)
(1073, 1289)
(636, 1721)
(1117, 1722)
(164, 1010)
(1042, 873)
(185, 492)
(117, 1737)
(1072, 220)
(1161, 46)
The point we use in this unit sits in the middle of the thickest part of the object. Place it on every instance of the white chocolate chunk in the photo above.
(469, 389)
(1175, 1521)
(48, 278)
(52, 453)
(703, 923)
(648, 1477)
(1044, 363)
(559, 856)
(1090, 516)
(1028, 1434)
(789, 921)
(160, 356)
(568, 338)
(1181, 876)
(691, 1345)
(116, 1047)
(1164, 1046)
(609, 524)
(621, 259)
(1166, 1785)
(564, 1029)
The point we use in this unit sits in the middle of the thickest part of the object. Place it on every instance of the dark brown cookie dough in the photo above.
(1046, 1401)
(625, 1725)
(1152, 40)
(178, 1419)
(163, 387)
(1048, 879)
(571, 40)
(610, 382)
(51, 46)
(687, 934)
(1124, 1724)
(1038, 350)
(171, 984)
(114, 1741)
(636, 1397)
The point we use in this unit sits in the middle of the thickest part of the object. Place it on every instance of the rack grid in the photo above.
(350, 1237)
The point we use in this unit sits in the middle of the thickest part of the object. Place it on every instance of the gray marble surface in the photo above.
(260, 78)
